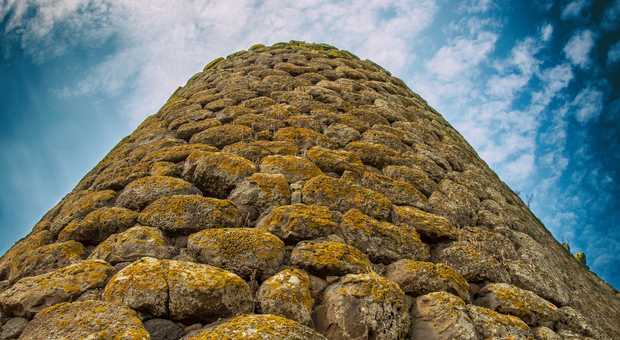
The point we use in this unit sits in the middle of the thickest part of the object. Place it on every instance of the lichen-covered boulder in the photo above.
(31, 294)
(259, 193)
(32, 241)
(329, 257)
(508, 299)
(187, 130)
(141, 192)
(419, 278)
(256, 150)
(398, 192)
(382, 241)
(287, 293)
(341, 195)
(302, 137)
(222, 135)
(335, 161)
(493, 325)
(430, 226)
(441, 315)
(85, 320)
(248, 252)
(216, 173)
(571, 320)
(294, 168)
(413, 175)
(132, 244)
(45, 259)
(341, 134)
(183, 291)
(98, 225)
(79, 205)
(363, 306)
(189, 213)
(472, 262)
(256, 327)
(453, 201)
(297, 222)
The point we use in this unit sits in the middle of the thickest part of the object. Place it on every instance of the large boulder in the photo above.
(294, 168)
(430, 226)
(330, 257)
(98, 225)
(45, 259)
(259, 193)
(141, 192)
(338, 194)
(31, 294)
(184, 214)
(287, 293)
(248, 252)
(363, 306)
(383, 241)
(256, 327)
(216, 173)
(298, 222)
(526, 305)
(183, 291)
(439, 316)
(419, 278)
(493, 325)
(85, 320)
(132, 244)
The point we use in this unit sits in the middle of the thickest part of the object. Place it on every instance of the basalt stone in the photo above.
(288, 159)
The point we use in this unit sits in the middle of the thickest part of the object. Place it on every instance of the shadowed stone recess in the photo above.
(296, 191)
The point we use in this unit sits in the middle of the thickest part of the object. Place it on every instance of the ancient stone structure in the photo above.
(296, 192)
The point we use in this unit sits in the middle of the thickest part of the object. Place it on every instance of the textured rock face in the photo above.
(296, 192)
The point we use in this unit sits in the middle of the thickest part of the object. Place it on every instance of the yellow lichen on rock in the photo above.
(342, 196)
(248, 252)
(299, 222)
(294, 168)
(288, 294)
(256, 327)
(327, 257)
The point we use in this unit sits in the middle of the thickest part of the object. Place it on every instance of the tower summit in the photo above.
(296, 192)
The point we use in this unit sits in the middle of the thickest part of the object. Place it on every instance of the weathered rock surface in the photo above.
(183, 291)
(86, 320)
(419, 278)
(303, 183)
(287, 293)
(329, 257)
(256, 327)
(441, 315)
(248, 252)
(31, 294)
(190, 213)
(363, 306)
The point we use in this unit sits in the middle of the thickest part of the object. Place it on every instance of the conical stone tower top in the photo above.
(296, 192)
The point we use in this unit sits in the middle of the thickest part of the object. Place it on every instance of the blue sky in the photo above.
(533, 86)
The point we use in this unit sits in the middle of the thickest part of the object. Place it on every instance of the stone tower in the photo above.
(296, 192)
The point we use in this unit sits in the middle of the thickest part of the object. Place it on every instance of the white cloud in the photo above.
(162, 43)
(461, 55)
(574, 8)
(546, 32)
(613, 54)
(588, 104)
(476, 6)
(578, 48)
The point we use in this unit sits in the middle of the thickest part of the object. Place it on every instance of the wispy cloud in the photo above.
(578, 48)
(153, 54)
(588, 104)
(574, 8)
